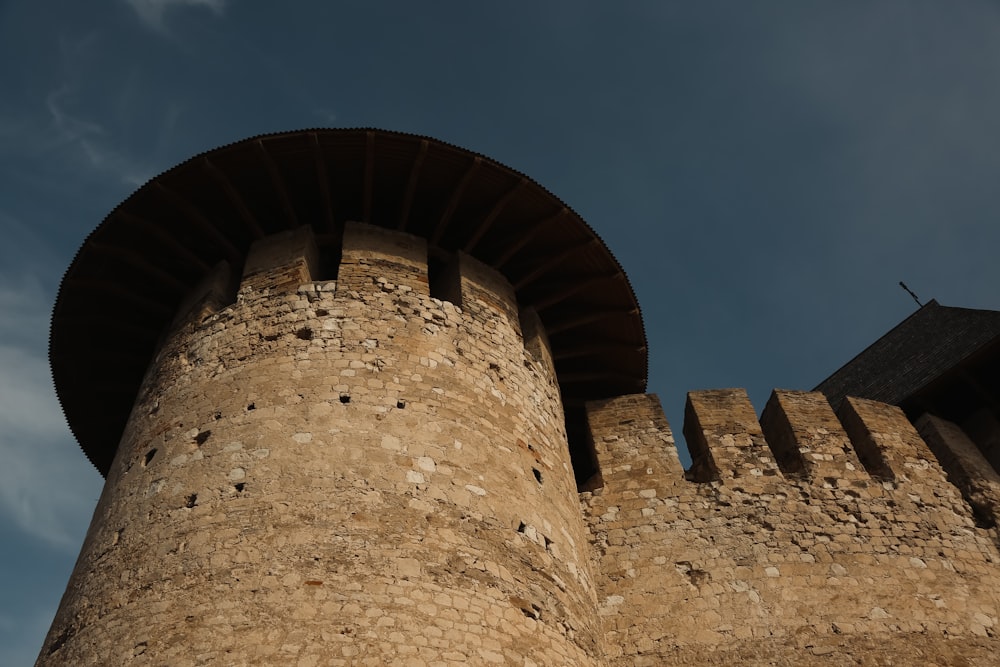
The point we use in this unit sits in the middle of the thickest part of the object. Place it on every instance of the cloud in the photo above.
(69, 127)
(328, 117)
(90, 139)
(42, 490)
(152, 12)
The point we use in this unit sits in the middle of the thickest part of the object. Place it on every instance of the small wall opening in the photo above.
(148, 458)
(443, 278)
(331, 250)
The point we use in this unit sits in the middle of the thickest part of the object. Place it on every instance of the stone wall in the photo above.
(789, 544)
(345, 471)
(372, 468)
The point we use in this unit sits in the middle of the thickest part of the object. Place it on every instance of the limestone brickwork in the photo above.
(355, 445)
(348, 470)
(818, 560)
(345, 471)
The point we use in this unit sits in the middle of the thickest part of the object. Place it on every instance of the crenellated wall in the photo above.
(332, 472)
(805, 537)
(372, 467)
(349, 446)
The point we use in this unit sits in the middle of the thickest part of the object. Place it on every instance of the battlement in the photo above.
(352, 413)
(282, 262)
(804, 521)
(370, 254)
(376, 259)
(725, 439)
(799, 437)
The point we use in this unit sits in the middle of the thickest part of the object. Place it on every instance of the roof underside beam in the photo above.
(456, 196)
(526, 238)
(369, 196)
(411, 186)
(617, 378)
(594, 349)
(589, 318)
(291, 220)
(87, 323)
(324, 181)
(163, 238)
(235, 198)
(118, 290)
(554, 261)
(572, 289)
(485, 224)
(139, 263)
(195, 215)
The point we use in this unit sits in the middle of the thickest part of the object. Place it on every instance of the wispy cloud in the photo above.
(41, 488)
(69, 127)
(152, 12)
(328, 116)
(90, 139)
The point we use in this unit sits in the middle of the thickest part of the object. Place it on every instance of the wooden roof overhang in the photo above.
(124, 285)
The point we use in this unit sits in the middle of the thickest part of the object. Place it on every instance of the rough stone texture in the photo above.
(346, 472)
(804, 428)
(282, 263)
(793, 570)
(374, 470)
(725, 418)
(966, 466)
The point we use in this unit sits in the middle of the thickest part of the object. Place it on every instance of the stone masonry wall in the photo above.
(339, 472)
(788, 545)
(354, 471)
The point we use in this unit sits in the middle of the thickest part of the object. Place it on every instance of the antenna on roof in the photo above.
(910, 292)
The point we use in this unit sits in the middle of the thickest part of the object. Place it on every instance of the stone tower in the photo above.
(324, 374)
(366, 398)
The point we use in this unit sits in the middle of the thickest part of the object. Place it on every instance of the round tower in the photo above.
(334, 380)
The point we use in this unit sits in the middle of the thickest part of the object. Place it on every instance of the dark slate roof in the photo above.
(126, 281)
(913, 354)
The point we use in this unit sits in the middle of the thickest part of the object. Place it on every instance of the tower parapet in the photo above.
(330, 437)
(310, 437)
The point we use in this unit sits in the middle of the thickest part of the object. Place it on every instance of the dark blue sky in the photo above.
(765, 171)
